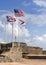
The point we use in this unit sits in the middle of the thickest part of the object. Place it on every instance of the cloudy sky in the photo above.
(34, 31)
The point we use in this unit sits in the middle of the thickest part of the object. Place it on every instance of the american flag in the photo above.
(22, 22)
(18, 13)
(10, 19)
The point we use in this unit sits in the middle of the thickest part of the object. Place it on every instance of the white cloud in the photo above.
(18, 31)
(21, 31)
(25, 32)
(39, 41)
(8, 28)
(1, 25)
(5, 11)
(26, 3)
(40, 2)
(1, 40)
(38, 38)
(44, 36)
(39, 20)
(42, 10)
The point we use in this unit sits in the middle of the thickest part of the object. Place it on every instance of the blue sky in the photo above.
(34, 32)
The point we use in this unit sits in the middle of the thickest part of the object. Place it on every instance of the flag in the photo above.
(18, 13)
(22, 22)
(10, 19)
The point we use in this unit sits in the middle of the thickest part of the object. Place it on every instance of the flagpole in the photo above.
(12, 35)
(5, 32)
(18, 38)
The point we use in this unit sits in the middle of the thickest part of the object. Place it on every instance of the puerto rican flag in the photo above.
(10, 19)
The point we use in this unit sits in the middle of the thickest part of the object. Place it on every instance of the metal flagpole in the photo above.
(12, 36)
(5, 32)
(18, 38)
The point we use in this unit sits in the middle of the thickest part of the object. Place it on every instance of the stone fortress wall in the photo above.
(35, 50)
(9, 53)
(23, 47)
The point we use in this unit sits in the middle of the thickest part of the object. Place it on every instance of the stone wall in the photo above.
(44, 52)
(19, 50)
(23, 47)
(34, 50)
